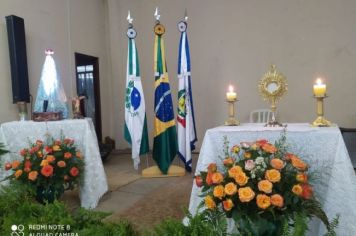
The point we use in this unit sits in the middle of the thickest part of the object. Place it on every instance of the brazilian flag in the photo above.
(165, 145)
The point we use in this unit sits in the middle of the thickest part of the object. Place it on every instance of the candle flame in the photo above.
(231, 89)
(319, 81)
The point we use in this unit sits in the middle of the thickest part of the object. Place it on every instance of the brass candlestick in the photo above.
(320, 121)
(231, 121)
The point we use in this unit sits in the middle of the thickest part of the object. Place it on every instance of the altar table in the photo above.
(322, 148)
(17, 134)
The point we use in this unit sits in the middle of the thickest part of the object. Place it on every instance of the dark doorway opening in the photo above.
(88, 85)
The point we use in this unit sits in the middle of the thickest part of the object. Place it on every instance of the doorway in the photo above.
(88, 85)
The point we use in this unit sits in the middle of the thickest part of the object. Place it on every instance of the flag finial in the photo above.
(186, 15)
(129, 18)
(157, 15)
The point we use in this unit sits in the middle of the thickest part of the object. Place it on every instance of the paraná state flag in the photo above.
(135, 112)
(165, 135)
(185, 118)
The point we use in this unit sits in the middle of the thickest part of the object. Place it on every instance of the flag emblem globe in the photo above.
(135, 98)
(163, 104)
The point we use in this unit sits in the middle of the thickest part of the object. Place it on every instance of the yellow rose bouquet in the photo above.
(49, 168)
(265, 189)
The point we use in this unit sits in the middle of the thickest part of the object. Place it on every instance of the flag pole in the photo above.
(135, 130)
(165, 140)
(185, 21)
(185, 118)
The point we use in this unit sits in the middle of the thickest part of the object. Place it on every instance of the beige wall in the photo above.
(66, 27)
(88, 34)
(231, 42)
(235, 42)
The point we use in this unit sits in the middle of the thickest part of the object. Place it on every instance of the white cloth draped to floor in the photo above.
(16, 135)
(322, 148)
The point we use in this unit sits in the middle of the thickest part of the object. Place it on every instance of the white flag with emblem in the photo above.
(186, 122)
(135, 110)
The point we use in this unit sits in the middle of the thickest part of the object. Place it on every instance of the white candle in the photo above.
(319, 88)
(231, 95)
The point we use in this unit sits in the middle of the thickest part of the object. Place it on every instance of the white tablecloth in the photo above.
(17, 135)
(322, 148)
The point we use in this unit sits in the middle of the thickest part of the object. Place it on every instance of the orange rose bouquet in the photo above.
(48, 167)
(265, 189)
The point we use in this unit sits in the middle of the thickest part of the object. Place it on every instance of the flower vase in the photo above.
(48, 195)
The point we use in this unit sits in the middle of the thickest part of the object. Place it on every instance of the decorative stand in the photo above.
(231, 121)
(320, 121)
(155, 172)
(273, 122)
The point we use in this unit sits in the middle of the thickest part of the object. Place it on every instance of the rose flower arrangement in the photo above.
(265, 189)
(48, 168)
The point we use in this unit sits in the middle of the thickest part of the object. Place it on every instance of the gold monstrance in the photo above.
(272, 87)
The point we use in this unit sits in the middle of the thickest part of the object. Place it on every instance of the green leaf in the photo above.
(2, 149)
(300, 224)
(313, 208)
(332, 226)
(131, 84)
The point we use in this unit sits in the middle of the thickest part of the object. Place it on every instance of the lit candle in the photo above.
(231, 95)
(319, 88)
